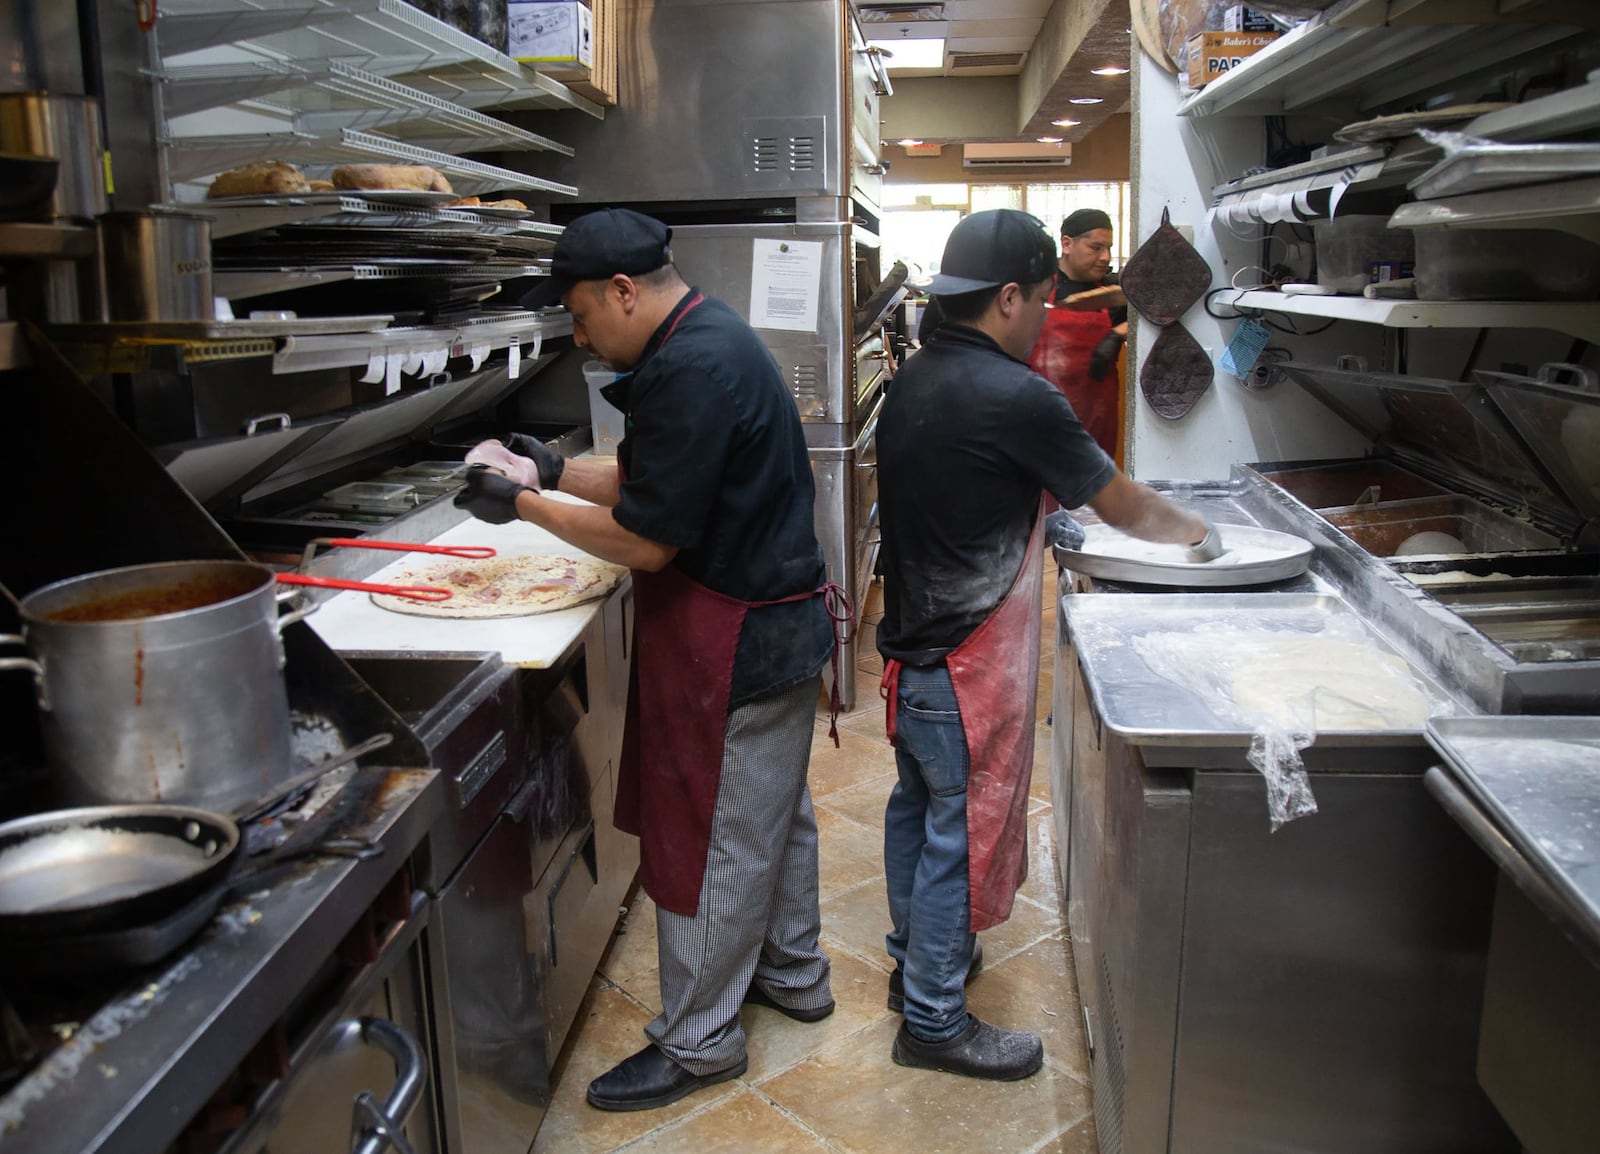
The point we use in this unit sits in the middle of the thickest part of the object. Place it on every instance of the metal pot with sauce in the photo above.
(161, 683)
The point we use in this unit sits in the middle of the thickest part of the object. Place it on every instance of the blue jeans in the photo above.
(925, 855)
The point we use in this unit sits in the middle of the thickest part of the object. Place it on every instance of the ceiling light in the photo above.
(1048, 139)
(1066, 122)
(909, 53)
(1087, 100)
(1110, 70)
(908, 143)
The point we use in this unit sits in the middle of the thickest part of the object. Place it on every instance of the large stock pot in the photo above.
(161, 683)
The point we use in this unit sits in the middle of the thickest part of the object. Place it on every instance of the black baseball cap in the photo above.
(989, 249)
(600, 245)
(1085, 220)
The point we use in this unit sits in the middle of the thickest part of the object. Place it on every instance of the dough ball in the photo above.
(1430, 542)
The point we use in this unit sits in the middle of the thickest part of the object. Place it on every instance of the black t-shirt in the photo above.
(968, 439)
(1065, 286)
(716, 465)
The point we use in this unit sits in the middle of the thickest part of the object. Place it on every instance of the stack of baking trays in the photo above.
(1485, 498)
(411, 252)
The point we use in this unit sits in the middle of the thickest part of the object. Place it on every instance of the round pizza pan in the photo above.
(1259, 556)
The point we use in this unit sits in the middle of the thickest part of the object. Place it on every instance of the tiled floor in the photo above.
(830, 1086)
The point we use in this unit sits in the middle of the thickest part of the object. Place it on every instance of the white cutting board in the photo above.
(350, 621)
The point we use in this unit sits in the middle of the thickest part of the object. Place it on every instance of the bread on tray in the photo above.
(390, 178)
(266, 178)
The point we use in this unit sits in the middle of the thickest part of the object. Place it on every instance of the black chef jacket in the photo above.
(968, 438)
(716, 465)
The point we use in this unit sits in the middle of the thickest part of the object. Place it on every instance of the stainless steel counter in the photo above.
(131, 1076)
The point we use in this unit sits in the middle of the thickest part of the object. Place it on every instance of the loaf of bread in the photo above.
(390, 177)
(321, 185)
(266, 177)
(462, 202)
(509, 202)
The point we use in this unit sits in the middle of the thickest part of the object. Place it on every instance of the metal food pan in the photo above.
(1329, 486)
(1381, 529)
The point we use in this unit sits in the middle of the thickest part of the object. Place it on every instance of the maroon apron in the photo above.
(684, 639)
(995, 672)
(1061, 356)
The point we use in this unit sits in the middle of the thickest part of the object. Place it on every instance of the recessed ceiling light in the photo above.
(1066, 122)
(1111, 70)
(1048, 139)
(908, 143)
(910, 53)
(1087, 100)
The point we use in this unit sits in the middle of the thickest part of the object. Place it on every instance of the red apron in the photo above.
(1061, 356)
(684, 639)
(995, 672)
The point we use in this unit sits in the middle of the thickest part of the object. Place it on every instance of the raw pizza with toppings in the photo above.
(502, 586)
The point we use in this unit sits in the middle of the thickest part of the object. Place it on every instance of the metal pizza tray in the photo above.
(1273, 556)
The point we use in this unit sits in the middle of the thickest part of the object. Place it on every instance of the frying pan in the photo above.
(72, 873)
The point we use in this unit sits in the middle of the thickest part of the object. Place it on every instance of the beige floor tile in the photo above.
(1044, 879)
(1039, 786)
(633, 946)
(775, 1042)
(867, 700)
(1078, 1139)
(739, 1124)
(858, 919)
(1036, 990)
(610, 1031)
(858, 759)
(864, 802)
(867, 722)
(857, 1098)
(848, 853)
(1028, 923)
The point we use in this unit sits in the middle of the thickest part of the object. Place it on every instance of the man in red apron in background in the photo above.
(710, 503)
(1085, 327)
(969, 437)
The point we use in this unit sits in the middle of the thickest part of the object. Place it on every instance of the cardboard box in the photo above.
(1213, 53)
(544, 32)
(598, 80)
(1239, 18)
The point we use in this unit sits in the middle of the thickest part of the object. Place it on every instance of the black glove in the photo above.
(1104, 357)
(490, 497)
(1062, 529)
(550, 462)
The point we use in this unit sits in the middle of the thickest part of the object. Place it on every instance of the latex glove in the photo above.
(497, 458)
(1209, 547)
(549, 462)
(488, 496)
(1062, 530)
(1104, 358)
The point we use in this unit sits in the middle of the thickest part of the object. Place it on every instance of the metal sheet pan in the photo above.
(1481, 166)
(1291, 560)
(1539, 777)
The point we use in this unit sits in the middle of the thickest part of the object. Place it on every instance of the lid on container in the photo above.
(1445, 428)
(1557, 413)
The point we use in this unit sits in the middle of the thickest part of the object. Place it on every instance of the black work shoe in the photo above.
(650, 1079)
(756, 996)
(897, 980)
(979, 1051)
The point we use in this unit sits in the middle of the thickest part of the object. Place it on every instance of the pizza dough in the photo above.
(390, 177)
(266, 178)
(501, 586)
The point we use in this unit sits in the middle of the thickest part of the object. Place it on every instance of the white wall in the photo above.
(1175, 165)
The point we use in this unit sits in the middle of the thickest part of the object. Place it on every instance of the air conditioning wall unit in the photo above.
(1019, 155)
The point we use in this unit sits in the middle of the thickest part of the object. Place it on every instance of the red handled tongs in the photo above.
(415, 592)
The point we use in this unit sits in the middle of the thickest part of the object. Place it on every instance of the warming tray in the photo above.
(1539, 778)
(1146, 708)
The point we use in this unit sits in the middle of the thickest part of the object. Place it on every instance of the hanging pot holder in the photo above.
(1176, 373)
(1164, 279)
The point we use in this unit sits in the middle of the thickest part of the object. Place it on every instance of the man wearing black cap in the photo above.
(1086, 326)
(710, 503)
(968, 439)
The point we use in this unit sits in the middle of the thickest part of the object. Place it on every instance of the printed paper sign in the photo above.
(785, 282)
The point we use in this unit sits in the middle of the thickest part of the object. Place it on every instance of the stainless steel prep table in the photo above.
(132, 1076)
(1244, 990)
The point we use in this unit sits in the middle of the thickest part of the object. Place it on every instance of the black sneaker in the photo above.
(897, 980)
(979, 1051)
(756, 996)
